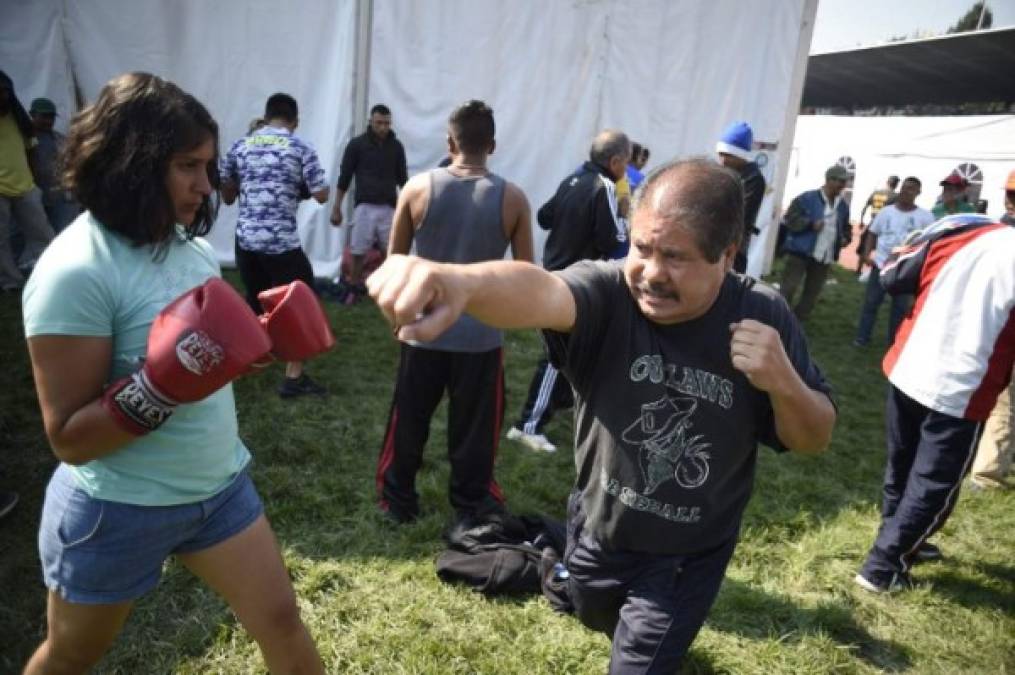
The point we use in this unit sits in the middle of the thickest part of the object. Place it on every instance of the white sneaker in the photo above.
(537, 442)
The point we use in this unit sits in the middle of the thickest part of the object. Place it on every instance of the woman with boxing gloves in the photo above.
(134, 340)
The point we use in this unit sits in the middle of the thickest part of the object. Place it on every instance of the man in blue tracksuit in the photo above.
(817, 227)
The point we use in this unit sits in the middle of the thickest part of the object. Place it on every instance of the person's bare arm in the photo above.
(870, 243)
(321, 195)
(421, 298)
(517, 219)
(70, 372)
(409, 212)
(336, 210)
(804, 418)
(875, 226)
(229, 191)
(863, 211)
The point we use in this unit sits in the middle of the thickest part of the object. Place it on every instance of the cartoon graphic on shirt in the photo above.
(666, 447)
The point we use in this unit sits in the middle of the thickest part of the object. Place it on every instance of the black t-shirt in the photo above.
(666, 429)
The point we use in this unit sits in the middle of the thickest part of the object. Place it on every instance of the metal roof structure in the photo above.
(973, 67)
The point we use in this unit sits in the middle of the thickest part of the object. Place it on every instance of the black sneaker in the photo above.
(927, 553)
(355, 293)
(396, 517)
(891, 583)
(7, 502)
(335, 290)
(300, 386)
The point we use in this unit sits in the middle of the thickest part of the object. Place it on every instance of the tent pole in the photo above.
(785, 151)
(360, 89)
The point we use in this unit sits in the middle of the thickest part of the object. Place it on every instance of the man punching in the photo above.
(679, 370)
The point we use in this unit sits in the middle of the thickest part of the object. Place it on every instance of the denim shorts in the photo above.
(95, 551)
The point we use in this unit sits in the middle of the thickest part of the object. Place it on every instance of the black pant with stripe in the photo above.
(548, 392)
(475, 386)
(928, 455)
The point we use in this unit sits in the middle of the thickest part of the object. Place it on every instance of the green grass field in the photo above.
(373, 603)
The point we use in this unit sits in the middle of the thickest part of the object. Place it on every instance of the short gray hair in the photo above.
(608, 144)
(702, 196)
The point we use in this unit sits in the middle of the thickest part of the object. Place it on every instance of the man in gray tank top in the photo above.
(460, 213)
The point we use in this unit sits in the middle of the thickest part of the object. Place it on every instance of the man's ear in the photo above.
(493, 146)
(620, 164)
(728, 256)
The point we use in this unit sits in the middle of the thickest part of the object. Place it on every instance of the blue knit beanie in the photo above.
(737, 140)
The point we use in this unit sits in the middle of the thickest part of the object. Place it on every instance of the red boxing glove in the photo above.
(197, 344)
(295, 322)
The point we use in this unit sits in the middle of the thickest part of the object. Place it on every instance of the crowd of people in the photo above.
(677, 363)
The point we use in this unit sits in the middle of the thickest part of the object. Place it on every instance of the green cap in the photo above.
(837, 172)
(43, 106)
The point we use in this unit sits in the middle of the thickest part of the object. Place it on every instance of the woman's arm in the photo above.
(70, 372)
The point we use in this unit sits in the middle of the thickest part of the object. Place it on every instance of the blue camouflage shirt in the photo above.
(268, 166)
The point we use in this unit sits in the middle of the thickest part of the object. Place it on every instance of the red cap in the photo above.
(954, 180)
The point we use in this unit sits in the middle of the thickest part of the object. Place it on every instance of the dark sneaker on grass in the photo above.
(7, 502)
(336, 290)
(892, 583)
(927, 553)
(300, 386)
(355, 293)
(396, 517)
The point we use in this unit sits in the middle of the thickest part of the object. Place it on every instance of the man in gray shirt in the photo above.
(461, 213)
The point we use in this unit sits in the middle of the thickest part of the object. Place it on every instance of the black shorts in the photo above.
(261, 271)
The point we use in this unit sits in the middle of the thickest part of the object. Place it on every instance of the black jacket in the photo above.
(378, 166)
(754, 193)
(580, 219)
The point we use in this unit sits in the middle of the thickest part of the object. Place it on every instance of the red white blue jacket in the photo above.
(955, 350)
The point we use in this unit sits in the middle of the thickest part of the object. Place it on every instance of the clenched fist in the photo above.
(420, 298)
(757, 351)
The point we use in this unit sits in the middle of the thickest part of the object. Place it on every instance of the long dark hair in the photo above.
(117, 154)
(21, 117)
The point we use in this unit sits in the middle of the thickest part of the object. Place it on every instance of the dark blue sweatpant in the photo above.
(928, 455)
(652, 606)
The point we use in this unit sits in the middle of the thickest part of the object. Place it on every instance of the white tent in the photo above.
(671, 73)
(982, 147)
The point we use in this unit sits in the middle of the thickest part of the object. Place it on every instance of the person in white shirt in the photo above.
(889, 230)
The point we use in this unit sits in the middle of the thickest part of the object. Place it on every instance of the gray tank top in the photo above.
(463, 225)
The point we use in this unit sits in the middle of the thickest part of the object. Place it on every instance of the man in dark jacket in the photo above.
(377, 161)
(582, 220)
(817, 224)
(735, 150)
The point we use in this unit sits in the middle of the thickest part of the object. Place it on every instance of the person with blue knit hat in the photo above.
(735, 150)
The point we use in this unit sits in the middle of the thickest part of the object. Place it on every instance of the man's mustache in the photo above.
(658, 290)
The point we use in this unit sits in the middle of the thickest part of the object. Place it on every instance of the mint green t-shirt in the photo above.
(95, 283)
